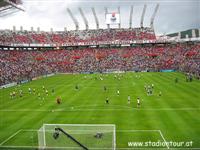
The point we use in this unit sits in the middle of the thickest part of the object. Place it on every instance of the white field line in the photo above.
(91, 131)
(90, 125)
(36, 147)
(34, 130)
(77, 132)
(10, 137)
(29, 130)
(164, 139)
(137, 131)
(112, 109)
(114, 138)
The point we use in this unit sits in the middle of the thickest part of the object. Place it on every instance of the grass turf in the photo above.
(175, 115)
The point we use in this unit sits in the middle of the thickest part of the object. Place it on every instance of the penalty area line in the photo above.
(163, 139)
(36, 147)
(10, 137)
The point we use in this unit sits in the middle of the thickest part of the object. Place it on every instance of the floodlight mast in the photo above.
(142, 17)
(153, 16)
(106, 11)
(95, 17)
(119, 25)
(131, 16)
(73, 18)
(84, 18)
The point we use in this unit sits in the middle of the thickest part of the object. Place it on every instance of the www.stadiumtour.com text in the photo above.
(161, 144)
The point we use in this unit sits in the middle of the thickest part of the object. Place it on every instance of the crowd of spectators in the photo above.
(70, 37)
(18, 65)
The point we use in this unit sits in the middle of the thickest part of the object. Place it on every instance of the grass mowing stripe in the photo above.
(172, 113)
(176, 118)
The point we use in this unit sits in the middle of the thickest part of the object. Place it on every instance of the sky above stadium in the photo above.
(172, 16)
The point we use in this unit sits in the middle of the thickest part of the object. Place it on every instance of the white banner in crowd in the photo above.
(112, 18)
(8, 85)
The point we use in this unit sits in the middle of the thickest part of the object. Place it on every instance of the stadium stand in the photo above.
(101, 35)
(19, 65)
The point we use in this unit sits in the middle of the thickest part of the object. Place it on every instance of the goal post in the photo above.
(77, 136)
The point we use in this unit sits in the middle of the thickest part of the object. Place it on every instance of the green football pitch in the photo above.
(169, 121)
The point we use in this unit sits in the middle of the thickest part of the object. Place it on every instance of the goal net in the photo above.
(77, 136)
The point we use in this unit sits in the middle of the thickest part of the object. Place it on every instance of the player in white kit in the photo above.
(129, 99)
(138, 102)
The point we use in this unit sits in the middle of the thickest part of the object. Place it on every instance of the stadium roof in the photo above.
(8, 7)
(186, 32)
(3, 3)
(48, 14)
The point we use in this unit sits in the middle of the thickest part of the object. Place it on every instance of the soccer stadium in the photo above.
(99, 75)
